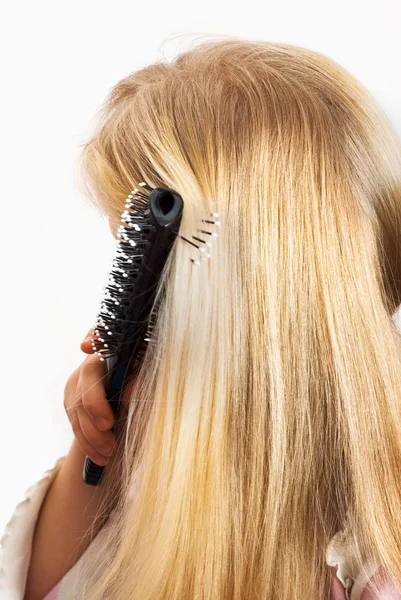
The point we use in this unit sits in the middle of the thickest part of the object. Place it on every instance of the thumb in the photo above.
(86, 344)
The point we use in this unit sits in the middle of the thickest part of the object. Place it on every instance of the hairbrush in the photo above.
(127, 313)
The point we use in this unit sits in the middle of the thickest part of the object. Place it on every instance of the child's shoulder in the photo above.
(16, 540)
(15, 551)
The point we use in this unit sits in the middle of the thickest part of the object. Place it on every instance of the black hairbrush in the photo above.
(127, 310)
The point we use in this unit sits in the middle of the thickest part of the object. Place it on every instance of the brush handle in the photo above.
(92, 473)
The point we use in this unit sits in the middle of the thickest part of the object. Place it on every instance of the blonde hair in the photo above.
(267, 415)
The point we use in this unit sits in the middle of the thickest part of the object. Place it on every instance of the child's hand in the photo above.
(88, 410)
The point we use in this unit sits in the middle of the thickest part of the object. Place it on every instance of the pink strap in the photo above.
(337, 588)
(52, 595)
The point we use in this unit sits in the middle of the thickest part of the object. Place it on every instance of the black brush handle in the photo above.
(92, 473)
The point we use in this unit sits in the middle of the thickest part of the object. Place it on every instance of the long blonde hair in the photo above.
(267, 416)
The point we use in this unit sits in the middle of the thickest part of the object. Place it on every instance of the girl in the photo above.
(259, 455)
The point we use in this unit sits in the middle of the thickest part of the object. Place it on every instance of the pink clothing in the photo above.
(52, 595)
(337, 590)
(387, 587)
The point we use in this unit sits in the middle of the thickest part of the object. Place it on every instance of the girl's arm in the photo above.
(67, 513)
(63, 528)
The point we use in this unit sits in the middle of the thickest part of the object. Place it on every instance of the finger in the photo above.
(92, 392)
(102, 441)
(83, 443)
(71, 384)
(86, 344)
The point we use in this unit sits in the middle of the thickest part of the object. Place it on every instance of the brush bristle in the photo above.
(127, 262)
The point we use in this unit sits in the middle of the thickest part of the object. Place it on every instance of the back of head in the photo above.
(266, 417)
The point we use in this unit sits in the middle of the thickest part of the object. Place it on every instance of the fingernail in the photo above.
(103, 424)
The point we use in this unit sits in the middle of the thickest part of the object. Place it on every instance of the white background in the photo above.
(58, 62)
